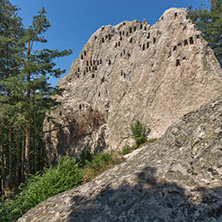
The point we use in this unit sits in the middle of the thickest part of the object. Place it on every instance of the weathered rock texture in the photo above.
(132, 71)
(177, 178)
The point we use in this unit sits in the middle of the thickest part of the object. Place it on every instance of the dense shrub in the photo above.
(100, 160)
(139, 130)
(84, 157)
(65, 176)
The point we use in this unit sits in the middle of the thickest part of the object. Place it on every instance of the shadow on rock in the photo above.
(147, 200)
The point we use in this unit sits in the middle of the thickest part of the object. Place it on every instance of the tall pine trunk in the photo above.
(18, 159)
(34, 120)
(2, 160)
(23, 157)
(27, 139)
(27, 147)
(42, 151)
(10, 154)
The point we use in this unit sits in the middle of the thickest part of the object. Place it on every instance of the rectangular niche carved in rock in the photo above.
(191, 40)
(143, 47)
(177, 62)
(185, 42)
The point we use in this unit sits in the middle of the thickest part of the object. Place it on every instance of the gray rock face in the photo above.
(177, 178)
(132, 71)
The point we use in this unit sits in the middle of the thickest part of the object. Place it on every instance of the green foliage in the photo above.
(25, 94)
(12, 208)
(139, 130)
(84, 157)
(128, 149)
(65, 176)
(152, 140)
(99, 161)
(209, 22)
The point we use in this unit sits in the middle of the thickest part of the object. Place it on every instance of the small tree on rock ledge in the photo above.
(139, 132)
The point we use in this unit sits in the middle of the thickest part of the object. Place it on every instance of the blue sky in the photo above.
(74, 21)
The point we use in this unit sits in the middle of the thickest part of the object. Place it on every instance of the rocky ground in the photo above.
(175, 179)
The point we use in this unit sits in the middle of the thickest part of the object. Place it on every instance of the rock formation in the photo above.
(132, 71)
(177, 178)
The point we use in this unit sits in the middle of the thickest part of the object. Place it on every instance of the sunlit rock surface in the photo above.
(177, 178)
(132, 71)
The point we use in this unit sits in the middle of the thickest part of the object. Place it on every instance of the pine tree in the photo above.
(37, 65)
(25, 95)
(209, 22)
(11, 31)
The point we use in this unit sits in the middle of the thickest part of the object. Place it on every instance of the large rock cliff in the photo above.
(175, 179)
(132, 71)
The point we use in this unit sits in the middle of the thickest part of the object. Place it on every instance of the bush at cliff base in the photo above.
(65, 176)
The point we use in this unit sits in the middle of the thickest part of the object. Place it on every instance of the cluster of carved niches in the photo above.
(186, 42)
